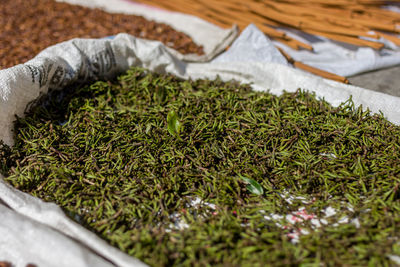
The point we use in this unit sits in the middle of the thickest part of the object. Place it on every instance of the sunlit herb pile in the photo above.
(203, 172)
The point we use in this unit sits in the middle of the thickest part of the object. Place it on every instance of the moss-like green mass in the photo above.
(154, 165)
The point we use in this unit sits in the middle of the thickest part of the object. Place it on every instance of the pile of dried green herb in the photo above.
(203, 172)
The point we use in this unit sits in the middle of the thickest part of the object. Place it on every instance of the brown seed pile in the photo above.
(29, 26)
(8, 264)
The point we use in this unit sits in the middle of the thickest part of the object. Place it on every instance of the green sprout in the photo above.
(174, 126)
(253, 186)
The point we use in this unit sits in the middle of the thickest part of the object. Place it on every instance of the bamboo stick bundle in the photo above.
(234, 16)
(342, 17)
(339, 20)
(299, 21)
(316, 29)
(251, 18)
(321, 15)
(352, 11)
(233, 12)
(339, 2)
(342, 8)
(317, 26)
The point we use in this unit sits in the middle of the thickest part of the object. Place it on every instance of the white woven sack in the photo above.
(38, 232)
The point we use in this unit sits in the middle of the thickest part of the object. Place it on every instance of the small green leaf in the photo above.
(174, 126)
(252, 185)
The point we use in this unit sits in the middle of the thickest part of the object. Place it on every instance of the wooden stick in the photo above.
(300, 44)
(319, 72)
(347, 39)
(322, 73)
(288, 43)
(392, 38)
